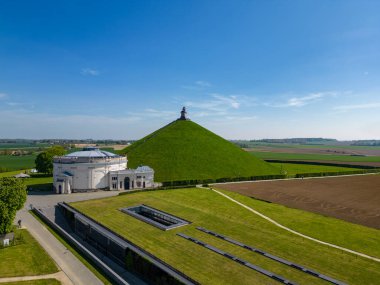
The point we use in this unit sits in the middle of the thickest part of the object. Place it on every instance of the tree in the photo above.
(12, 199)
(44, 160)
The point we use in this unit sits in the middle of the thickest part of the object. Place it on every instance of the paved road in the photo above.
(77, 273)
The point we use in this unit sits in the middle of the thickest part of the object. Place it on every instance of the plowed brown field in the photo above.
(352, 198)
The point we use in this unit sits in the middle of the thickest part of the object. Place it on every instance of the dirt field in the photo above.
(355, 199)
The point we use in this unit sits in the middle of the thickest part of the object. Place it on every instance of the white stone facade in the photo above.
(92, 169)
(142, 177)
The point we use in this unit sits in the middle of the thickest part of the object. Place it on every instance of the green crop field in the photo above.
(25, 259)
(291, 169)
(207, 209)
(23, 145)
(326, 157)
(184, 150)
(10, 162)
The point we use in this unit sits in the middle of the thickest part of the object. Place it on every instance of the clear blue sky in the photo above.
(244, 69)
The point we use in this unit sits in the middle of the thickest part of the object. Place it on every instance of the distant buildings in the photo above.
(92, 169)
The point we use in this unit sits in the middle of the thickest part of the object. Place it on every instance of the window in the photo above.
(114, 178)
(114, 185)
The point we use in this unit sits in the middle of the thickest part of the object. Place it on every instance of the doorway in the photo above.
(126, 183)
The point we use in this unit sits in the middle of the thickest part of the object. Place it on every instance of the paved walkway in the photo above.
(74, 269)
(60, 276)
(292, 231)
(75, 272)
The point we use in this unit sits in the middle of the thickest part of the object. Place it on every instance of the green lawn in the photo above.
(27, 258)
(339, 232)
(207, 209)
(292, 169)
(327, 157)
(37, 182)
(34, 282)
(11, 162)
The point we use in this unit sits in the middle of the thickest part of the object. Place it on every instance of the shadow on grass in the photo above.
(41, 189)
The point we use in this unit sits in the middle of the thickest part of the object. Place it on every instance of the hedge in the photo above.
(320, 174)
(220, 180)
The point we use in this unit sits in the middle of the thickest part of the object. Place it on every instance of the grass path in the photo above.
(60, 276)
(292, 231)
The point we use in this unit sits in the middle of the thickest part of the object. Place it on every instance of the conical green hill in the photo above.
(184, 150)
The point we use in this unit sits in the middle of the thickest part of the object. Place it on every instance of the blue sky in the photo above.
(244, 69)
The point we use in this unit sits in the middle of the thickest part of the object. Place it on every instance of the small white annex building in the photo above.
(92, 169)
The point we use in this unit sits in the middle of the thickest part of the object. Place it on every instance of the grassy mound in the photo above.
(184, 150)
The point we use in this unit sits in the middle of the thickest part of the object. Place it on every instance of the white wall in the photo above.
(88, 175)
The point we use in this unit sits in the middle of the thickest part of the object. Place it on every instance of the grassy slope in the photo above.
(339, 232)
(25, 259)
(17, 162)
(208, 209)
(292, 168)
(327, 157)
(184, 150)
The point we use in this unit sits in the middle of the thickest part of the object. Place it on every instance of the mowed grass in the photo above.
(25, 259)
(184, 150)
(35, 282)
(12, 162)
(35, 182)
(291, 169)
(207, 209)
(303, 156)
(352, 236)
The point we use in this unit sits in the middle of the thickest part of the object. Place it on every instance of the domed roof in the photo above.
(91, 152)
(143, 168)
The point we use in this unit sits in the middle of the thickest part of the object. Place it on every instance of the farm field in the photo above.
(23, 145)
(25, 259)
(292, 169)
(10, 162)
(330, 158)
(207, 209)
(310, 147)
(351, 198)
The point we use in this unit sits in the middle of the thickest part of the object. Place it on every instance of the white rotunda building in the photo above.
(93, 169)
